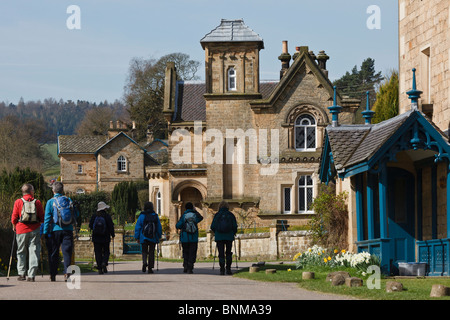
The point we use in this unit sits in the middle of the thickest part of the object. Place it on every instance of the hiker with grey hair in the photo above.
(224, 226)
(60, 216)
(27, 216)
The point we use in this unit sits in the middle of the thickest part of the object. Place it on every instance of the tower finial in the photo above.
(335, 110)
(368, 114)
(414, 94)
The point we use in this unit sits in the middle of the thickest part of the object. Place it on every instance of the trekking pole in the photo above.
(215, 251)
(235, 252)
(42, 261)
(157, 257)
(114, 253)
(10, 258)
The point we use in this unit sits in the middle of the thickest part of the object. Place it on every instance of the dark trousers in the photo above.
(225, 255)
(101, 250)
(60, 239)
(148, 254)
(189, 254)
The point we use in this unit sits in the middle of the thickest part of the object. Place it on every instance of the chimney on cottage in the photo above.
(285, 58)
(322, 58)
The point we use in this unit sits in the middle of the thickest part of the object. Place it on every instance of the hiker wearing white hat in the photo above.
(102, 228)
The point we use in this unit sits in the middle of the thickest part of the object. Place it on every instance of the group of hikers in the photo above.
(55, 226)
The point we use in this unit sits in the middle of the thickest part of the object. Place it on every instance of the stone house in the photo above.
(98, 163)
(256, 144)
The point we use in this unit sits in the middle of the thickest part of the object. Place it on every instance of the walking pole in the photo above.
(42, 260)
(10, 258)
(157, 256)
(215, 251)
(114, 253)
(235, 252)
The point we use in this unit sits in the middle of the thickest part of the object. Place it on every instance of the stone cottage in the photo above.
(94, 163)
(256, 144)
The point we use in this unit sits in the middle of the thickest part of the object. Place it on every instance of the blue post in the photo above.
(335, 110)
(370, 206)
(414, 94)
(359, 208)
(448, 206)
(382, 195)
(368, 114)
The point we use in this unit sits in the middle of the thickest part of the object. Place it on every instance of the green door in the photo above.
(401, 214)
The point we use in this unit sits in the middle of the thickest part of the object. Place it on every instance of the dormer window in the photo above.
(231, 79)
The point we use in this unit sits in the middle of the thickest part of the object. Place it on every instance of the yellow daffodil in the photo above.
(289, 270)
(325, 260)
(343, 251)
(329, 258)
(336, 250)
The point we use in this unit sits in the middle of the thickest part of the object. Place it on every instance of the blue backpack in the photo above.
(63, 211)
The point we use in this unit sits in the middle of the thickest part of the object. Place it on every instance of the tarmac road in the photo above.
(128, 282)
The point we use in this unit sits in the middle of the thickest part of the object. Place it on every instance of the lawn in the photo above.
(413, 288)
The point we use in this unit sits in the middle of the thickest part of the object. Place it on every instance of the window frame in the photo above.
(230, 78)
(122, 165)
(304, 128)
(306, 186)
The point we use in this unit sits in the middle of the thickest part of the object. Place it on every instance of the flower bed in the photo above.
(333, 258)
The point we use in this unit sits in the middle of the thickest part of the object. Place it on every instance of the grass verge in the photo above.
(413, 288)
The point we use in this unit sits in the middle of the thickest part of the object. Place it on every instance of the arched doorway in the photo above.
(191, 194)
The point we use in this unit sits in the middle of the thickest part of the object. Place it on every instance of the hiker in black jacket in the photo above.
(102, 228)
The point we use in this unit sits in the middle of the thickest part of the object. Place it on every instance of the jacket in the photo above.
(184, 236)
(229, 236)
(138, 229)
(105, 238)
(49, 225)
(17, 210)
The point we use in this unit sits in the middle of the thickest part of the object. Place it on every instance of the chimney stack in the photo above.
(322, 58)
(285, 57)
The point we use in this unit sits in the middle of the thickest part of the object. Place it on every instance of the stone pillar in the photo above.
(117, 243)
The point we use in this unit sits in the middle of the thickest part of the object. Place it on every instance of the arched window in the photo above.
(231, 79)
(121, 164)
(305, 133)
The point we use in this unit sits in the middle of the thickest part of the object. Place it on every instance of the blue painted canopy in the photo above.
(352, 149)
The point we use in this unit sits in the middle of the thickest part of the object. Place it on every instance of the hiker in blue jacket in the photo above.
(147, 232)
(189, 236)
(102, 228)
(58, 234)
(224, 226)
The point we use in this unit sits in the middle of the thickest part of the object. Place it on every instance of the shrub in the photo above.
(329, 225)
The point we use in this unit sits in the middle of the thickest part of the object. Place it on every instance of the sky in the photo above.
(43, 56)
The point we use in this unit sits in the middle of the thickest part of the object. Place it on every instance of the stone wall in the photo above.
(255, 246)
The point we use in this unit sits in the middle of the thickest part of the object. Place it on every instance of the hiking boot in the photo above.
(222, 271)
(30, 279)
(105, 270)
(229, 271)
(185, 270)
(66, 277)
(21, 278)
(144, 267)
(100, 271)
(52, 278)
(150, 270)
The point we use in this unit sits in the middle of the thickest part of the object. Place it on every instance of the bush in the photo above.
(87, 203)
(329, 225)
(124, 201)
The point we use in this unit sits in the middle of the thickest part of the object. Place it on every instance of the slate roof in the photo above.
(80, 144)
(352, 144)
(191, 105)
(232, 31)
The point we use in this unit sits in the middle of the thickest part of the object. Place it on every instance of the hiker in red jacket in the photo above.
(27, 216)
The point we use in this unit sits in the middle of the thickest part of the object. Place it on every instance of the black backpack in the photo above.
(99, 227)
(224, 223)
(149, 229)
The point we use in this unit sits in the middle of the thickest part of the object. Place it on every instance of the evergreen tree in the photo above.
(387, 105)
(124, 201)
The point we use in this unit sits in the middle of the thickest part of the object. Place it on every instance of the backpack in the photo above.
(190, 223)
(224, 223)
(63, 211)
(99, 227)
(28, 214)
(149, 230)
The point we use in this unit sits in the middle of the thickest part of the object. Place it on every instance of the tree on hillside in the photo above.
(387, 105)
(144, 90)
(358, 82)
